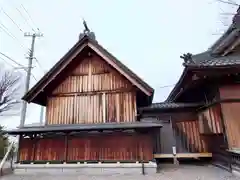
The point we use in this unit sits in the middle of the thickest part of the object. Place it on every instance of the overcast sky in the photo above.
(147, 36)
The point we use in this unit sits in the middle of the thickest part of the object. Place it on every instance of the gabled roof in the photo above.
(86, 41)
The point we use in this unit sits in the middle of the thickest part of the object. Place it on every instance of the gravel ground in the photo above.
(180, 173)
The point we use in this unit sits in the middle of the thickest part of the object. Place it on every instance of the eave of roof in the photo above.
(209, 59)
(177, 88)
(205, 61)
(39, 86)
(84, 127)
(169, 106)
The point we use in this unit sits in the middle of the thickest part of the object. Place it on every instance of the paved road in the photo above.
(182, 173)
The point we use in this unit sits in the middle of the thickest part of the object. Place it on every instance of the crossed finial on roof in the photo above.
(86, 30)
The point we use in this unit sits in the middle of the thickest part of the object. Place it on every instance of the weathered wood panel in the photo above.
(92, 147)
(232, 124)
(92, 75)
(188, 135)
(26, 149)
(210, 120)
(110, 107)
(230, 92)
(116, 147)
(50, 149)
(93, 93)
(166, 144)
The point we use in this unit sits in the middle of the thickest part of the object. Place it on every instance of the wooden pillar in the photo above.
(66, 147)
(222, 120)
(19, 147)
(104, 106)
(34, 147)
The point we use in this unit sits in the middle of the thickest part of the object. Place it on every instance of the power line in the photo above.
(5, 29)
(11, 59)
(7, 62)
(11, 19)
(20, 65)
(40, 66)
(30, 17)
(24, 19)
(166, 86)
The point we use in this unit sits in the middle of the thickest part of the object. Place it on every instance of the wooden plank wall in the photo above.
(231, 114)
(26, 149)
(128, 147)
(232, 123)
(189, 137)
(50, 149)
(114, 147)
(210, 120)
(93, 93)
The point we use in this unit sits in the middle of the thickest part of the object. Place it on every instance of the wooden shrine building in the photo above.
(201, 115)
(91, 101)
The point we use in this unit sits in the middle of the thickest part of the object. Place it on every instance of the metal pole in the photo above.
(24, 106)
(41, 115)
(27, 84)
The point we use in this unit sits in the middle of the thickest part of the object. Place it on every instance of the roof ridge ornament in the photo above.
(187, 59)
(87, 32)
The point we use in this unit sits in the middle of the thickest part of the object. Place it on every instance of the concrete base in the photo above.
(91, 169)
(236, 171)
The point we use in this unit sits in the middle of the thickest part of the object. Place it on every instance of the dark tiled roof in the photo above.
(85, 127)
(212, 58)
(169, 105)
(206, 59)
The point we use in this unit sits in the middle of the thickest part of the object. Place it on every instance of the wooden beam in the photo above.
(183, 155)
(66, 148)
(89, 74)
(104, 106)
(121, 90)
(230, 48)
(93, 73)
(34, 147)
(19, 147)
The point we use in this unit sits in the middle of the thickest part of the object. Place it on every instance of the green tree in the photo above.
(4, 142)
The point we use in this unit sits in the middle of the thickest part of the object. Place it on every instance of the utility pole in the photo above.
(41, 115)
(29, 68)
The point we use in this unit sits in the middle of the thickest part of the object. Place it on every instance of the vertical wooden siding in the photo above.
(115, 147)
(120, 107)
(50, 149)
(210, 120)
(111, 147)
(26, 149)
(231, 115)
(189, 136)
(93, 91)
(232, 123)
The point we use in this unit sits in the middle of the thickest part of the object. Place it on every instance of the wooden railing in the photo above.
(235, 160)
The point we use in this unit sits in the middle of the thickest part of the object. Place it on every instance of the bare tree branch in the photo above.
(228, 2)
(10, 91)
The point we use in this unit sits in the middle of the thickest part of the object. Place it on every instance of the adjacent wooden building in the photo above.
(201, 115)
(92, 100)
